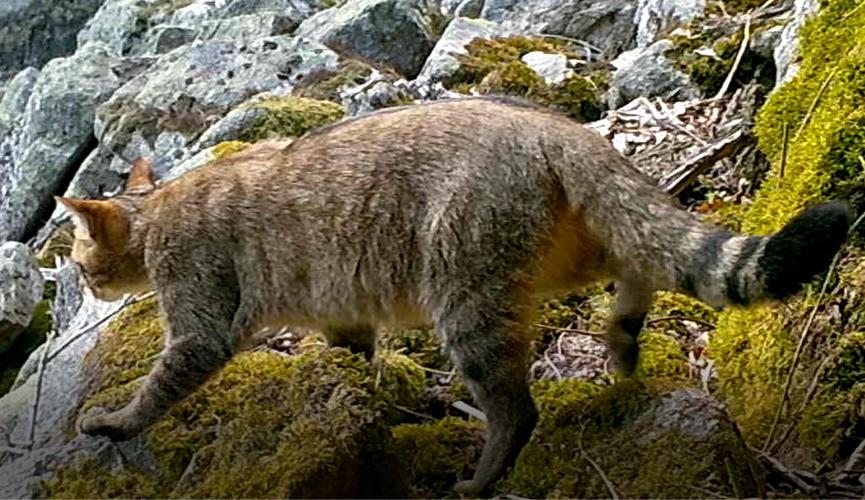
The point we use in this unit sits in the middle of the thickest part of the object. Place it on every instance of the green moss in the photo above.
(127, 348)
(326, 85)
(494, 67)
(821, 108)
(226, 148)
(27, 341)
(661, 356)
(705, 71)
(70, 483)
(59, 244)
(421, 345)
(439, 454)
(290, 116)
(265, 425)
(582, 421)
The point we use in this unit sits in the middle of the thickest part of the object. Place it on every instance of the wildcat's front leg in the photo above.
(201, 340)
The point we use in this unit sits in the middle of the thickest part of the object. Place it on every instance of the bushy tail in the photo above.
(741, 270)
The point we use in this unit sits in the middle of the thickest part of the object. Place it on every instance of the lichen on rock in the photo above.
(289, 116)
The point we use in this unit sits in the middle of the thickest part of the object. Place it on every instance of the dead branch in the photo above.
(40, 376)
(470, 410)
(814, 103)
(127, 302)
(685, 175)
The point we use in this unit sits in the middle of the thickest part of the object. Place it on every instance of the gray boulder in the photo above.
(119, 24)
(167, 37)
(56, 134)
(608, 25)
(787, 48)
(462, 8)
(396, 33)
(12, 107)
(648, 73)
(16, 96)
(199, 11)
(32, 32)
(21, 286)
(654, 16)
(248, 27)
(442, 62)
(162, 112)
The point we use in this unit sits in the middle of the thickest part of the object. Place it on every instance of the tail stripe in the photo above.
(737, 281)
(708, 255)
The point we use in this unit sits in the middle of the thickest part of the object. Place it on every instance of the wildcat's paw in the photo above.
(468, 488)
(112, 425)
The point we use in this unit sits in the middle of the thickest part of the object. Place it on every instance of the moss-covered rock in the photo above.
(640, 435)
(421, 345)
(326, 85)
(289, 116)
(494, 67)
(709, 67)
(26, 342)
(438, 455)
(316, 424)
(754, 348)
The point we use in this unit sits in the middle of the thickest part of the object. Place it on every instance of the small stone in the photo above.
(553, 68)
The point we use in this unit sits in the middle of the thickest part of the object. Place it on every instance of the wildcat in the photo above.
(460, 213)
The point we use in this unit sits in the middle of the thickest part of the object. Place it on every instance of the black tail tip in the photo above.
(804, 248)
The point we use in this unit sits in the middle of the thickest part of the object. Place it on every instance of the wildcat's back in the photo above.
(457, 213)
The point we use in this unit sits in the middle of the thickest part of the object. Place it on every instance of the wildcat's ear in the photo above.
(140, 177)
(99, 220)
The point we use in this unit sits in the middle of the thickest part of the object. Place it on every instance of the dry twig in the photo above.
(569, 330)
(128, 302)
(814, 103)
(746, 38)
(600, 471)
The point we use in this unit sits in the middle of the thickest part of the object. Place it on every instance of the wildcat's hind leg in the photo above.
(489, 349)
(626, 321)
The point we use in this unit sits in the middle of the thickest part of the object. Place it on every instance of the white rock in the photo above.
(553, 68)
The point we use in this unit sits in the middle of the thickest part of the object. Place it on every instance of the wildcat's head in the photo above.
(111, 264)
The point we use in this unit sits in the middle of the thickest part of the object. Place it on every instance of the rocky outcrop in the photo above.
(442, 62)
(655, 16)
(21, 286)
(607, 25)
(56, 134)
(396, 33)
(648, 73)
(163, 111)
(787, 49)
(32, 32)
